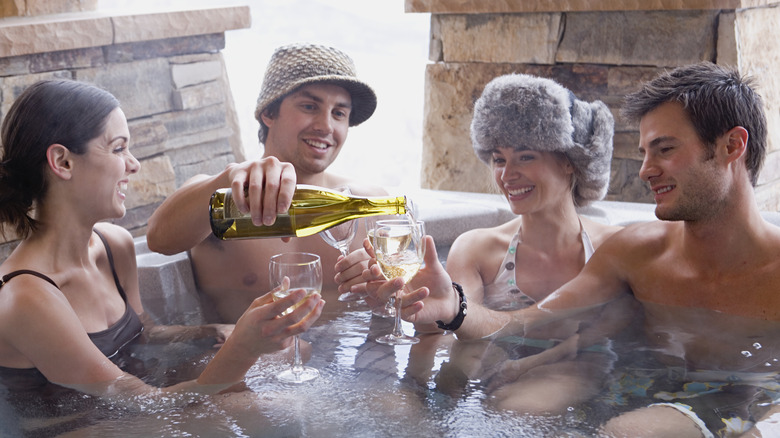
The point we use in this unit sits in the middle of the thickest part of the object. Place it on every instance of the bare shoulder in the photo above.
(26, 297)
(597, 231)
(644, 239)
(481, 242)
(119, 239)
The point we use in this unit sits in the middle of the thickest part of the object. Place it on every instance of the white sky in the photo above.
(390, 50)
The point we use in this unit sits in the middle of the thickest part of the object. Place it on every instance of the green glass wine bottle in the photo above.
(313, 209)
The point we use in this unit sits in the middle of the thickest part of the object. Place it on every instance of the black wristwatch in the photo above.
(462, 310)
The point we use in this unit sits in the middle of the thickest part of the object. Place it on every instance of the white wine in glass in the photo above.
(388, 310)
(400, 250)
(305, 272)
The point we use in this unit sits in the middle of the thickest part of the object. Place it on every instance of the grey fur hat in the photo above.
(532, 113)
(295, 65)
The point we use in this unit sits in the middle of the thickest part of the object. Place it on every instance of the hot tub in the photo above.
(366, 389)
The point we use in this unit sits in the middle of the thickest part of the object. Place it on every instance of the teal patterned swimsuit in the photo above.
(504, 294)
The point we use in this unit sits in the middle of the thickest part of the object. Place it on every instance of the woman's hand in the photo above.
(429, 295)
(263, 329)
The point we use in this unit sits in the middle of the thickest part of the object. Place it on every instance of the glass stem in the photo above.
(397, 332)
(297, 366)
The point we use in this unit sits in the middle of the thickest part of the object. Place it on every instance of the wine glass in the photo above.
(399, 253)
(388, 310)
(340, 237)
(305, 272)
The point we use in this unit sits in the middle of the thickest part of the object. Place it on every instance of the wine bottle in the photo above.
(313, 209)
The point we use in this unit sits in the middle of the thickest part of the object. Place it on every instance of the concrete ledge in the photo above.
(67, 31)
(514, 6)
(167, 285)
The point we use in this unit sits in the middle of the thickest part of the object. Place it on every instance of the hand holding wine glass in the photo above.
(340, 237)
(399, 249)
(303, 271)
(388, 309)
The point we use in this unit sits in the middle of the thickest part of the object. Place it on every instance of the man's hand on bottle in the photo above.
(263, 187)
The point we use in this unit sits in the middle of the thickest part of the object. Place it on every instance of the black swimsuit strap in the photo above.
(11, 275)
(4, 279)
(111, 263)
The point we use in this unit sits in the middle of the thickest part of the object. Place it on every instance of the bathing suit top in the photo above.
(109, 341)
(503, 293)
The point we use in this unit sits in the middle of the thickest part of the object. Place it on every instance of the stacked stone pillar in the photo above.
(600, 50)
(166, 69)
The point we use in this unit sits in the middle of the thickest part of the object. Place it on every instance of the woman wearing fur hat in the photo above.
(549, 153)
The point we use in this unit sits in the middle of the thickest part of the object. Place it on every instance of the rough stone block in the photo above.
(198, 96)
(656, 38)
(13, 86)
(512, 6)
(34, 35)
(14, 65)
(727, 53)
(208, 158)
(156, 26)
(153, 183)
(66, 59)
(127, 52)
(184, 123)
(148, 137)
(626, 146)
(195, 73)
(143, 87)
(759, 57)
(211, 135)
(516, 38)
(770, 172)
(42, 7)
(624, 183)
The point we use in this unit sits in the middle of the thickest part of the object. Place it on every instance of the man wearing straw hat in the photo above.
(309, 99)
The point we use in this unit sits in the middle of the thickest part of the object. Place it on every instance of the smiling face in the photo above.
(685, 178)
(532, 180)
(310, 128)
(105, 168)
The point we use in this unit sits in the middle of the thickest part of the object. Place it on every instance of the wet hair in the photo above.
(48, 112)
(716, 99)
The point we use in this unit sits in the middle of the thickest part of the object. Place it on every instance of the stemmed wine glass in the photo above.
(340, 237)
(399, 253)
(388, 310)
(305, 272)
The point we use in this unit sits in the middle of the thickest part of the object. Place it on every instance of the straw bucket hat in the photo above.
(295, 65)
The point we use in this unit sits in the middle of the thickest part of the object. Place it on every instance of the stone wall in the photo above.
(600, 50)
(168, 73)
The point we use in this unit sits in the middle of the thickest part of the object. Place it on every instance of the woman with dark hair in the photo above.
(69, 294)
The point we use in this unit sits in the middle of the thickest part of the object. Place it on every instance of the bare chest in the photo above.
(748, 291)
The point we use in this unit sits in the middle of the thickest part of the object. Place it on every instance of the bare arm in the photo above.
(182, 222)
(433, 299)
(63, 352)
